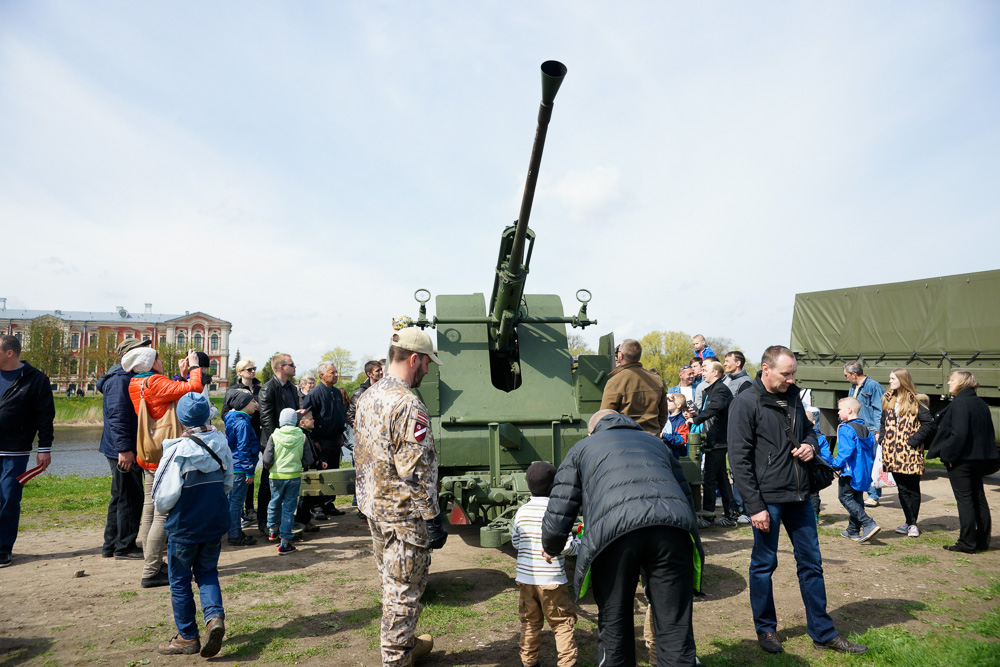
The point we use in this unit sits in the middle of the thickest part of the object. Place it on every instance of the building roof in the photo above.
(122, 315)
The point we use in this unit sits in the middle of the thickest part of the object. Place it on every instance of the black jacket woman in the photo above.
(965, 444)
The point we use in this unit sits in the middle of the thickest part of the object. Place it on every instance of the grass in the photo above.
(86, 410)
(51, 502)
(921, 559)
(255, 581)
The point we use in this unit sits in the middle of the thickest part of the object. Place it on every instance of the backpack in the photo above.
(152, 432)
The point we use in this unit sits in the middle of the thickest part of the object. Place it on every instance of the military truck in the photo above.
(930, 327)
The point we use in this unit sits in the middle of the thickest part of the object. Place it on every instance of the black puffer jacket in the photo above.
(227, 402)
(715, 415)
(760, 449)
(624, 479)
(27, 408)
(965, 431)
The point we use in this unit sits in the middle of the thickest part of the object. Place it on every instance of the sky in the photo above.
(300, 169)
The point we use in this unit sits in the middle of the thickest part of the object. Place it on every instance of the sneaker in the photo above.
(868, 533)
(247, 523)
(310, 528)
(4, 560)
(319, 514)
(840, 644)
(251, 515)
(870, 502)
(179, 646)
(272, 536)
(725, 523)
(423, 646)
(362, 516)
(286, 549)
(159, 579)
(703, 524)
(913, 531)
(769, 642)
(743, 520)
(850, 536)
(215, 630)
(333, 511)
(904, 529)
(243, 540)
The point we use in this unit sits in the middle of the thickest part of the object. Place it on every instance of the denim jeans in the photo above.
(284, 497)
(121, 528)
(800, 525)
(874, 492)
(201, 560)
(237, 496)
(11, 467)
(854, 502)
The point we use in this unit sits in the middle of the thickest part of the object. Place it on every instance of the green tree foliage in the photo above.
(577, 345)
(171, 355)
(45, 346)
(666, 352)
(264, 369)
(100, 355)
(342, 359)
(233, 377)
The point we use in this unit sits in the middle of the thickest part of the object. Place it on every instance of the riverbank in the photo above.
(89, 411)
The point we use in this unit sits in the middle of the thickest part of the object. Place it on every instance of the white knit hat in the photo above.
(139, 360)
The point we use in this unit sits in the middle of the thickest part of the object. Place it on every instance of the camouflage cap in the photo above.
(414, 340)
(131, 344)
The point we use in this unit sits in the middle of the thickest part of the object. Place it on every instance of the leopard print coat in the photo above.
(903, 439)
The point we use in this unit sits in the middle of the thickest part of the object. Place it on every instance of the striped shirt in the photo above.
(526, 536)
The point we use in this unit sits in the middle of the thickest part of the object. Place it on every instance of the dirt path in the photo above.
(320, 605)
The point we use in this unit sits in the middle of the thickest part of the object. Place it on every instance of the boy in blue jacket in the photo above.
(853, 464)
(245, 446)
(191, 486)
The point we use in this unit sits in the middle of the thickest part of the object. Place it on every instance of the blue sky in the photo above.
(301, 168)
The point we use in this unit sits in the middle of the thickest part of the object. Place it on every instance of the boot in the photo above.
(179, 646)
(215, 630)
(424, 645)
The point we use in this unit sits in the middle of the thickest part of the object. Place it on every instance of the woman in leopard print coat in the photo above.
(906, 428)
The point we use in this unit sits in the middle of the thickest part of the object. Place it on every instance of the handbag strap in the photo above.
(209, 450)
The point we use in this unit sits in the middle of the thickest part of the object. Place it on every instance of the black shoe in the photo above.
(130, 555)
(362, 516)
(243, 540)
(319, 514)
(840, 644)
(955, 547)
(333, 511)
(4, 560)
(769, 642)
(159, 579)
(107, 554)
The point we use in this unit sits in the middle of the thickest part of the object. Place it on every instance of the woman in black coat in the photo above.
(965, 444)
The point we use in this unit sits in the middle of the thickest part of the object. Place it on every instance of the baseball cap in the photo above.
(414, 340)
(131, 344)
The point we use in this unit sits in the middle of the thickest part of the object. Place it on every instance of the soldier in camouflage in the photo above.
(397, 475)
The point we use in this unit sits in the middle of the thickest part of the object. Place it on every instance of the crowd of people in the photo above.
(179, 484)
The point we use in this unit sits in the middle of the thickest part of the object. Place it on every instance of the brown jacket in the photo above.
(639, 394)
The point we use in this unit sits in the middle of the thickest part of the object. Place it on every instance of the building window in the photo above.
(197, 342)
(75, 341)
(93, 339)
(181, 339)
(74, 366)
(163, 340)
(146, 337)
(214, 342)
(213, 387)
(129, 336)
(213, 367)
(18, 337)
(93, 367)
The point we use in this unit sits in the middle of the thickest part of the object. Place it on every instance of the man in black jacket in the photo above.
(26, 408)
(639, 515)
(277, 394)
(327, 405)
(713, 417)
(771, 446)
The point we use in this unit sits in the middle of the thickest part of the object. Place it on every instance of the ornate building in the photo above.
(82, 329)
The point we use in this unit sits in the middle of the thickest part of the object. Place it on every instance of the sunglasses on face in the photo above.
(252, 369)
(684, 368)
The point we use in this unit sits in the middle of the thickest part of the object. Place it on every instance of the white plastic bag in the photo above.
(881, 478)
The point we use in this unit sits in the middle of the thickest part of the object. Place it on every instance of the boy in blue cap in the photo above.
(191, 486)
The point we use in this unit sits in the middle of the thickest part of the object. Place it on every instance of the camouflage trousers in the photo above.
(403, 569)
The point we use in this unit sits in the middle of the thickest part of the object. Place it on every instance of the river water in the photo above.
(74, 452)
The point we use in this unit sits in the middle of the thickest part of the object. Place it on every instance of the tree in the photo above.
(45, 346)
(666, 352)
(577, 345)
(720, 345)
(342, 359)
(101, 355)
(266, 372)
(233, 375)
(171, 355)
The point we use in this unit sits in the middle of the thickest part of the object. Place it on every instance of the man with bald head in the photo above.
(639, 514)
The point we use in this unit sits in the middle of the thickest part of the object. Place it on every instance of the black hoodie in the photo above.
(27, 408)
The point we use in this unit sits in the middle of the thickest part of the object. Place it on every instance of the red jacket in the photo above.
(161, 391)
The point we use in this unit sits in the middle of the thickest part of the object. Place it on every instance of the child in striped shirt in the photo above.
(544, 594)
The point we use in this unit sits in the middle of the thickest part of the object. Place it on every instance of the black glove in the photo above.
(436, 532)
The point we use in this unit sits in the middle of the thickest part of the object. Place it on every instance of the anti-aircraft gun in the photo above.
(508, 392)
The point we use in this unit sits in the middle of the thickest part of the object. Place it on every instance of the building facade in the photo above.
(81, 329)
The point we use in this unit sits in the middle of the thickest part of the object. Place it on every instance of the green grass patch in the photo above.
(988, 592)
(447, 608)
(988, 625)
(125, 596)
(50, 502)
(146, 635)
(86, 410)
(921, 559)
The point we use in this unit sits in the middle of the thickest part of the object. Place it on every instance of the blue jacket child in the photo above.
(245, 446)
(855, 453)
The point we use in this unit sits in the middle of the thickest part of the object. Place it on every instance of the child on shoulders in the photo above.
(675, 431)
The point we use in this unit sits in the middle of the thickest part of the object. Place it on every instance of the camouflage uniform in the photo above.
(397, 490)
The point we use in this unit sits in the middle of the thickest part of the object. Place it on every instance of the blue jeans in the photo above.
(10, 499)
(874, 492)
(800, 525)
(203, 561)
(853, 502)
(284, 497)
(237, 496)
